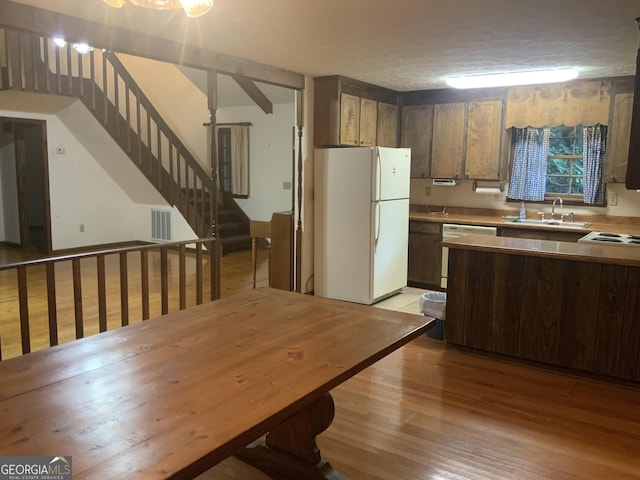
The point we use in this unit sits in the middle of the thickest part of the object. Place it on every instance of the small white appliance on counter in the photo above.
(609, 238)
(361, 226)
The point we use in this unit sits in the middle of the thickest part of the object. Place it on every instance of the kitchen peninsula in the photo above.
(562, 304)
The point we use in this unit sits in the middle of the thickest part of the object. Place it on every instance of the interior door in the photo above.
(33, 185)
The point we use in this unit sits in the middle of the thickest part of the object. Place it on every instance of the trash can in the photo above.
(433, 304)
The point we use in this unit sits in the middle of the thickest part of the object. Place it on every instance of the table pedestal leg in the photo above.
(290, 450)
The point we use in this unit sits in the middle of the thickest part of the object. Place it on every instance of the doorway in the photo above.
(25, 184)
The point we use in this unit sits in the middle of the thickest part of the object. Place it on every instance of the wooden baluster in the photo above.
(23, 82)
(199, 286)
(138, 128)
(77, 296)
(164, 280)
(57, 72)
(124, 290)
(179, 178)
(172, 193)
(183, 277)
(24, 309)
(47, 81)
(69, 70)
(9, 38)
(80, 75)
(116, 102)
(149, 152)
(92, 77)
(51, 304)
(144, 282)
(34, 42)
(105, 91)
(189, 191)
(102, 298)
(127, 106)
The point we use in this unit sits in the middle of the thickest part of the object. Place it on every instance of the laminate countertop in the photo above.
(467, 216)
(578, 252)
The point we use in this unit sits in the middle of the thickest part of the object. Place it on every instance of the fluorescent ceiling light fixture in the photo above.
(59, 41)
(511, 79)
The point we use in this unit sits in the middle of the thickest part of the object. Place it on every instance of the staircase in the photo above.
(34, 64)
(233, 223)
(233, 226)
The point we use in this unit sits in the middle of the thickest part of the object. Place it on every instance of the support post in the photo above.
(212, 101)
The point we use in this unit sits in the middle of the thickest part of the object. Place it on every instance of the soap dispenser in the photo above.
(523, 212)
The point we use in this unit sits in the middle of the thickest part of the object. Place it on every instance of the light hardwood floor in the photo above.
(428, 412)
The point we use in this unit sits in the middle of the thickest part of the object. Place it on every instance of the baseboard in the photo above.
(10, 244)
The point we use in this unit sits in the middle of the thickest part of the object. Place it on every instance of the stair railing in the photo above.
(53, 300)
(34, 63)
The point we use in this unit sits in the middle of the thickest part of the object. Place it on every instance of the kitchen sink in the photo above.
(550, 223)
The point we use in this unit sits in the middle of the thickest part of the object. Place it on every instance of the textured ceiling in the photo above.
(399, 44)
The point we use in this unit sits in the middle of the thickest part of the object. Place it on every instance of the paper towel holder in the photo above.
(497, 185)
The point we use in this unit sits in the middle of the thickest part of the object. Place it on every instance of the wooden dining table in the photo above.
(173, 396)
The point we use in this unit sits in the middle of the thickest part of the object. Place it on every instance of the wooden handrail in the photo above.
(86, 284)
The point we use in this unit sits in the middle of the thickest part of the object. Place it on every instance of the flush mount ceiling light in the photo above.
(82, 48)
(59, 41)
(193, 8)
(511, 79)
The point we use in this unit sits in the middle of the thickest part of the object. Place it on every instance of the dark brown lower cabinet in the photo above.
(425, 254)
(573, 314)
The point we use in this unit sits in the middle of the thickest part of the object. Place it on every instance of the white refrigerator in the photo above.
(361, 222)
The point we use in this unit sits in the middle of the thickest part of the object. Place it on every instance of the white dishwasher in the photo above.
(450, 230)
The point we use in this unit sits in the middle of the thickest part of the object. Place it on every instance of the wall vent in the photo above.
(161, 225)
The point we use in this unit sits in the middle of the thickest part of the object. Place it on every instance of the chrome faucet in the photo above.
(553, 207)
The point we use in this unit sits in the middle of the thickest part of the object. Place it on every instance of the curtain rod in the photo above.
(241, 124)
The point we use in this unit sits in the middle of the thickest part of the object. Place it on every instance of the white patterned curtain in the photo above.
(240, 160)
(594, 149)
(529, 172)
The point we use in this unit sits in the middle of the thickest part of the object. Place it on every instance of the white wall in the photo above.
(271, 157)
(180, 103)
(83, 193)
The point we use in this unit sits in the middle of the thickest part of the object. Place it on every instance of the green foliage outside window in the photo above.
(565, 166)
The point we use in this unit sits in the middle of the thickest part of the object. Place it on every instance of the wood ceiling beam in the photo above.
(120, 40)
(255, 93)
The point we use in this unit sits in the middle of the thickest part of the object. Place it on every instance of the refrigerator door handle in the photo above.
(379, 176)
(376, 226)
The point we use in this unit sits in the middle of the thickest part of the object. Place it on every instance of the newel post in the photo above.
(298, 248)
(212, 104)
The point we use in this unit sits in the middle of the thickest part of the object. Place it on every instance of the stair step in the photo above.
(235, 243)
(233, 228)
(228, 216)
